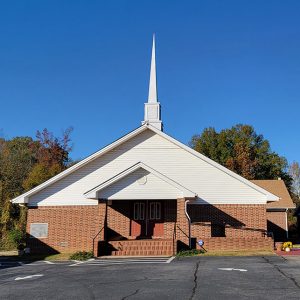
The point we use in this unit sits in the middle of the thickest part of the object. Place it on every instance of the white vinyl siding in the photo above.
(211, 184)
(140, 185)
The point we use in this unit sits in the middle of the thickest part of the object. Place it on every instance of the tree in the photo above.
(243, 151)
(24, 164)
(294, 171)
(52, 157)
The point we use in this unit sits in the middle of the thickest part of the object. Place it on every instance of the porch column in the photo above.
(99, 227)
(182, 226)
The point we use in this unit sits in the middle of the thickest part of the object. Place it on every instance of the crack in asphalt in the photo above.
(130, 295)
(281, 272)
(195, 280)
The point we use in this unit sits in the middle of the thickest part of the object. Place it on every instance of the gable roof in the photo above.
(93, 192)
(24, 197)
(276, 187)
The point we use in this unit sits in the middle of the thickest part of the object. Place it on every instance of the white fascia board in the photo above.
(269, 196)
(93, 192)
(278, 209)
(24, 197)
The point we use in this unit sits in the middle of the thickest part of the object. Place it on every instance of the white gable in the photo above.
(140, 184)
(212, 183)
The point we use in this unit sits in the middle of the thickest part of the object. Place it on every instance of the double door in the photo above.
(147, 219)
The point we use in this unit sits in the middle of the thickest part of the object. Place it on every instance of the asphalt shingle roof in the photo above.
(278, 188)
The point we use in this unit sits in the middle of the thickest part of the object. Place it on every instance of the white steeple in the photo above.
(152, 107)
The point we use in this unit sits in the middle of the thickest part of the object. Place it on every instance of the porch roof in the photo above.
(94, 193)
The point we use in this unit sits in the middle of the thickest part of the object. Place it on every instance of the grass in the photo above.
(240, 253)
(13, 255)
(225, 253)
(82, 255)
(66, 256)
(56, 257)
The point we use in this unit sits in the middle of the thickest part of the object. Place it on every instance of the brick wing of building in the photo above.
(277, 221)
(147, 194)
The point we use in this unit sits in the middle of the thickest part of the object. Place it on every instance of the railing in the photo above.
(96, 237)
(174, 238)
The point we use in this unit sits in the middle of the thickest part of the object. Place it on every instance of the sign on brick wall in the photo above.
(39, 230)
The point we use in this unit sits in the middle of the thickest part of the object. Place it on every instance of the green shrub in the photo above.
(192, 252)
(82, 255)
(12, 239)
(16, 236)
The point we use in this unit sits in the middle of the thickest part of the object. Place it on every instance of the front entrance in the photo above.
(147, 219)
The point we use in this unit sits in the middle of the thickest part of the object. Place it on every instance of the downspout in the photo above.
(286, 223)
(189, 220)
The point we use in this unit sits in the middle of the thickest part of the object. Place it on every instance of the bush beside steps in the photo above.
(193, 252)
(81, 255)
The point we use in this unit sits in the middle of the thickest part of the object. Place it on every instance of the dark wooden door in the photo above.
(147, 219)
(138, 219)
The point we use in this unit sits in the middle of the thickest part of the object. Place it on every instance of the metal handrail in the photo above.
(174, 237)
(95, 238)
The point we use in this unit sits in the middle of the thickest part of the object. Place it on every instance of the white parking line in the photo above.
(29, 277)
(125, 261)
(232, 269)
(170, 259)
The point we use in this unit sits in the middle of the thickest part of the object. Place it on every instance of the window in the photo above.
(39, 230)
(155, 210)
(139, 211)
(217, 230)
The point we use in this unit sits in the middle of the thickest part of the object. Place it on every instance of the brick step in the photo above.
(140, 243)
(142, 247)
(141, 253)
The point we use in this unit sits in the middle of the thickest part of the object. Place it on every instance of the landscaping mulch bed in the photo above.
(294, 251)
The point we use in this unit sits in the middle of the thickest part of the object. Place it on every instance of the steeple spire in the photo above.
(152, 98)
(152, 107)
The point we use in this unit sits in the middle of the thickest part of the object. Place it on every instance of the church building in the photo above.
(147, 194)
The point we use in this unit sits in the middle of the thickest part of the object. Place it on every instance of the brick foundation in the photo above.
(222, 227)
(237, 244)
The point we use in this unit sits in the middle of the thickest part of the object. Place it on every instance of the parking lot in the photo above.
(271, 277)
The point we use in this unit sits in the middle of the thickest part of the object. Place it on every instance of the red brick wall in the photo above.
(277, 224)
(170, 207)
(237, 244)
(228, 220)
(118, 218)
(70, 228)
(225, 227)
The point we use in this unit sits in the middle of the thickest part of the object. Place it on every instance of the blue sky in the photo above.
(86, 64)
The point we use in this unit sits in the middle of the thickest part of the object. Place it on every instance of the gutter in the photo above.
(286, 224)
(189, 220)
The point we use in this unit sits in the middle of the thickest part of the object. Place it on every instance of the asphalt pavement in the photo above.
(271, 277)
